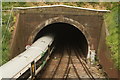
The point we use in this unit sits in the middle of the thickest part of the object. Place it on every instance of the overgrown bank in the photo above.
(8, 20)
(113, 41)
(111, 20)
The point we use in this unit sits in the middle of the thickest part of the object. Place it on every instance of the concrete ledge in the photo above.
(23, 8)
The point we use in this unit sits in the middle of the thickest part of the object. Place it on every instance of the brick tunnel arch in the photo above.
(56, 20)
(62, 20)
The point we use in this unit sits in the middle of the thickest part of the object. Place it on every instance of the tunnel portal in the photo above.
(31, 20)
(66, 36)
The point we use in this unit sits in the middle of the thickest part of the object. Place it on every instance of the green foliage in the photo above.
(111, 20)
(6, 36)
(49, 3)
(9, 5)
(6, 33)
(0, 38)
(112, 39)
(79, 4)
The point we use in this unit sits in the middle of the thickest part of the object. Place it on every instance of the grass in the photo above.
(111, 19)
(6, 36)
(112, 40)
(7, 29)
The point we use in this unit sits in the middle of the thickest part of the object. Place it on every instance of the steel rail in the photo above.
(75, 68)
(84, 66)
(57, 66)
(67, 68)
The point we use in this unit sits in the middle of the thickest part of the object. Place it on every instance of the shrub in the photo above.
(112, 40)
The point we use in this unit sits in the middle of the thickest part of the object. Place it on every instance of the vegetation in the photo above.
(110, 18)
(112, 21)
(6, 35)
(8, 21)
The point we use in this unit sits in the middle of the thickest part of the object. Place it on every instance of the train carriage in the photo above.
(31, 61)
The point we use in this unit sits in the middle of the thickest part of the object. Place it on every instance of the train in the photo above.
(31, 61)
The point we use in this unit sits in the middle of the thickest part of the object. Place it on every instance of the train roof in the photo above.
(14, 66)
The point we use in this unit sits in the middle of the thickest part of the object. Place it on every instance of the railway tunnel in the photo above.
(72, 26)
(66, 36)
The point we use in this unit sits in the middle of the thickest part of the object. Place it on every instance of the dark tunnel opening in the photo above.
(66, 36)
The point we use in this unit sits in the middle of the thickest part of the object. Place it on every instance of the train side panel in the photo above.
(18, 65)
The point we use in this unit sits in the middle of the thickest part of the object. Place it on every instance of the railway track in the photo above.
(75, 69)
(63, 72)
(56, 69)
(82, 62)
(67, 68)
